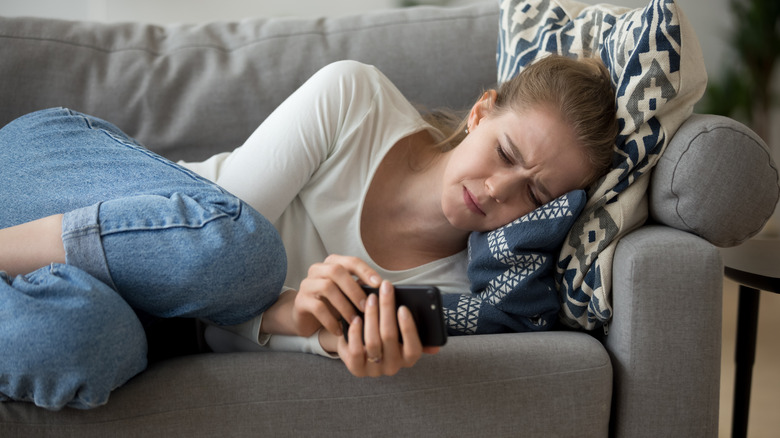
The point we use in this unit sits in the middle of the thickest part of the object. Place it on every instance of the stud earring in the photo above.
(467, 131)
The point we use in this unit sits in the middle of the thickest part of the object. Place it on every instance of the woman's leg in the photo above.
(171, 243)
(31, 245)
(66, 339)
(139, 233)
(212, 257)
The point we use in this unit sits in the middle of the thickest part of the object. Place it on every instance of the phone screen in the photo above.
(424, 303)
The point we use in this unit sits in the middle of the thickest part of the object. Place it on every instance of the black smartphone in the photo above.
(424, 303)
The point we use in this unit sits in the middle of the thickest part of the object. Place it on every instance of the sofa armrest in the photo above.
(716, 179)
(665, 336)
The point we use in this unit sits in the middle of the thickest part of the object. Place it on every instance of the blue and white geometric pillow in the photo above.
(658, 73)
(511, 270)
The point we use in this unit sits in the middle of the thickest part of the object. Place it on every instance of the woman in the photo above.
(358, 185)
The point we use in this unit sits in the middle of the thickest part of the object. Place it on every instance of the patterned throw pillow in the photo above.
(658, 73)
(512, 273)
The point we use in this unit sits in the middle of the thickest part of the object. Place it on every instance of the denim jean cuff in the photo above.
(83, 244)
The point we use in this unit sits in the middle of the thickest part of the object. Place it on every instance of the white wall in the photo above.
(175, 11)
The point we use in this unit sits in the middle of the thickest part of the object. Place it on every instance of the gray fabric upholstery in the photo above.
(665, 336)
(192, 91)
(733, 164)
(506, 384)
(186, 91)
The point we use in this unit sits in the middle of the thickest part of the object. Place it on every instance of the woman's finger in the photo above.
(412, 347)
(357, 267)
(324, 290)
(344, 270)
(388, 329)
(371, 335)
(352, 353)
(431, 350)
(335, 271)
(311, 306)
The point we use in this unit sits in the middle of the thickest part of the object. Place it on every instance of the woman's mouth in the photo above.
(471, 202)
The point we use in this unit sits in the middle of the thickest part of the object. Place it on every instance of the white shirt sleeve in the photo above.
(221, 340)
(280, 157)
(247, 337)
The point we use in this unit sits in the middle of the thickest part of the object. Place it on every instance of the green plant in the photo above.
(745, 89)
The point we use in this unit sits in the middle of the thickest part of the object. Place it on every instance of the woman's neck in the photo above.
(403, 207)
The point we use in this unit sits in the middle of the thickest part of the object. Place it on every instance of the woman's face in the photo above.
(508, 165)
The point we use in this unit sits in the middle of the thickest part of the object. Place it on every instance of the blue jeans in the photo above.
(142, 236)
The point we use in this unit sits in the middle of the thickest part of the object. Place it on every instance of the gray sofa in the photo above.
(190, 91)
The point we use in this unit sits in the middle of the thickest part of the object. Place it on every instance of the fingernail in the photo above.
(371, 300)
(362, 305)
(385, 288)
(375, 280)
(403, 313)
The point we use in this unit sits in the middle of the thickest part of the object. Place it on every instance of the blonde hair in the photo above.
(581, 92)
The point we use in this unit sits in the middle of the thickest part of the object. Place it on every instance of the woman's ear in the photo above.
(482, 108)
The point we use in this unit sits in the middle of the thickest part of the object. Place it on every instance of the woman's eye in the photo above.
(502, 155)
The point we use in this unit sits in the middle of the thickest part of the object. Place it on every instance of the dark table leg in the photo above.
(747, 326)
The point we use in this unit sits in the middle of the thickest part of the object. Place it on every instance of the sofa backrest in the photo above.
(189, 91)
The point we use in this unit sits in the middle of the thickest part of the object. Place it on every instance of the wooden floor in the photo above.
(765, 396)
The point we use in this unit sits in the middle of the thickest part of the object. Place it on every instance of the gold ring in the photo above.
(375, 359)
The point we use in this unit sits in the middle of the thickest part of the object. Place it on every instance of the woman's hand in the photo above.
(331, 292)
(383, 353)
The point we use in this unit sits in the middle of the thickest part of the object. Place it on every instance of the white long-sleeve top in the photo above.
(308, 167)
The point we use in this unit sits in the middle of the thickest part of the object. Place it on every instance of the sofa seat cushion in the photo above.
(530, 384)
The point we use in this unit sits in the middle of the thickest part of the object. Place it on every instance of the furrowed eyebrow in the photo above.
(519, 157)
(513, 149)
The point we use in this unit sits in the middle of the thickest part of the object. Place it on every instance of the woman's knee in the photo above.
(67, 340)
(246, 265)
(261, 245)
(210, 256)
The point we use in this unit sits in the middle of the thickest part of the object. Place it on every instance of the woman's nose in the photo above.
(501, 187)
